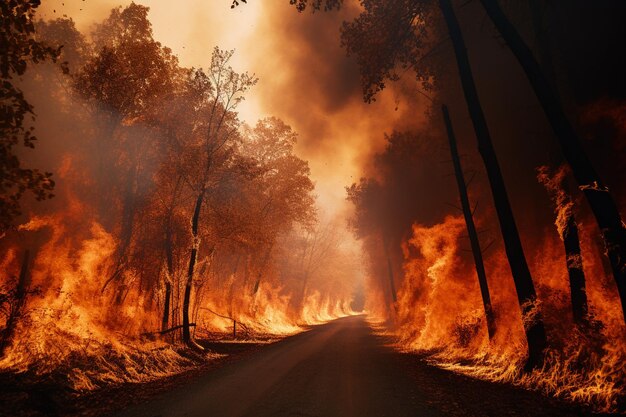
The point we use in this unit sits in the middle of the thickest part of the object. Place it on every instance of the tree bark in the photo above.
(526, 295)
(600, 200)
(6, 335)
(575, 271)
(469, 223)
(192, 263)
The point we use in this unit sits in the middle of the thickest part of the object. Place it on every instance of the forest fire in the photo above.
(582, 364)
(162, 209)
(101, 275)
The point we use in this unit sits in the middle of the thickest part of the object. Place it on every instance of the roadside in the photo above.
(30, 395)
(341, 368)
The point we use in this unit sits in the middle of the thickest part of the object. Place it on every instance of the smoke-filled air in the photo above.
(312, 207)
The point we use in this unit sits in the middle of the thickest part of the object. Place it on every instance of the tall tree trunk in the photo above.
(542, 40)
(392, 284)
(526, 295)
(192, 263)
(471, 228)
(6, 335)
(169, 259)
(166, 305)
(602, 203)
(569, 234)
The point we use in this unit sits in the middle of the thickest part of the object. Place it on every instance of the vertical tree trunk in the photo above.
(192, 263)
(600, 200)
(575, 271)
(169, 259)
(471, 228)
(569, 234)
(6, 336)
(542, 40)
(166, 305)
(526, 295)
(392, 284)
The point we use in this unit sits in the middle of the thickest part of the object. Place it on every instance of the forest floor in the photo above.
(341, 368)
(29, 395)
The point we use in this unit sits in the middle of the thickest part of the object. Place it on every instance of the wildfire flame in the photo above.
(439, 310)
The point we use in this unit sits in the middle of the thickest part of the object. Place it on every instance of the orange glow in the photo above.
(195, 203)
(439, 310)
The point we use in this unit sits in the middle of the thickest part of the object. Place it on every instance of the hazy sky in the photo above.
(305, 77)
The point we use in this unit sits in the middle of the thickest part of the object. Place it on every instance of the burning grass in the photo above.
(73, 333)
(439, 313)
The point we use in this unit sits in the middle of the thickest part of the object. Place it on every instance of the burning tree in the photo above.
(217, 94)
(155, 162)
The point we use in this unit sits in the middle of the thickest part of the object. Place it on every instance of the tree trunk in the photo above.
(166, 305)
(192, 263)
(392, 284)
(600, 200)
(6, 335)
(169, 259)
(569, 234)
(575, 271)
(527, 298)
(471, 228)
(542, 40)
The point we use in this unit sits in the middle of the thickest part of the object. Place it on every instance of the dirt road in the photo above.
(340, 369)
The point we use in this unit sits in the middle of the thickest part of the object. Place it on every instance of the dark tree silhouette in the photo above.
(598, 195)
(469, 222)
(15, 302)
(526, 295)
(18, 49)
(394, 34)
(558, 186)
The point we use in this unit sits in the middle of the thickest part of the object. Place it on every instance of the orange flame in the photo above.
(439, 311)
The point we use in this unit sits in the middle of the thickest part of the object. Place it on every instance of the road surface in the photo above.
(339, 369)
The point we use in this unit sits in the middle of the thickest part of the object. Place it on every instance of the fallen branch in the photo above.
(217, 314)
(235, 322)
